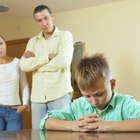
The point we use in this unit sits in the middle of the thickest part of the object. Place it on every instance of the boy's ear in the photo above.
(113, 83)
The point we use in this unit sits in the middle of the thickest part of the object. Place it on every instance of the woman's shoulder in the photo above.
(15, 61)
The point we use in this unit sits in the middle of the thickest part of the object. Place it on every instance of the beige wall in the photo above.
(18, 29)
(113, 29)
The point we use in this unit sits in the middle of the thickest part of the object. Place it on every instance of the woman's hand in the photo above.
(20, 108)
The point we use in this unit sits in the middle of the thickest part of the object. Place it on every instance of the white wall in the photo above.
(112, 29)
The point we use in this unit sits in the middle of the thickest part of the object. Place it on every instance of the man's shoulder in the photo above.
(34, 37)
(39, 35)
(63, 32)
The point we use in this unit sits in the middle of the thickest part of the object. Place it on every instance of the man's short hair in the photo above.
(40, 8)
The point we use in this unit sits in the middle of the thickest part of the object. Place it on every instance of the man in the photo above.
(100, 108)
(49, 56)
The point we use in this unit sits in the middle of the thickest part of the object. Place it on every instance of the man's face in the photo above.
(45, 21)
(100, 95)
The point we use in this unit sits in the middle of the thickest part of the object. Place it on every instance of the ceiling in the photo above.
(24, 8)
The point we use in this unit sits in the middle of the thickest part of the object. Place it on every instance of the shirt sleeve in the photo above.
(64, 114)
(64, 56)
(32, 63)
(131, 109)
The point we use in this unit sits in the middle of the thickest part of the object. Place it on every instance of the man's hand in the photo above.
(28, 54)
(51, 56)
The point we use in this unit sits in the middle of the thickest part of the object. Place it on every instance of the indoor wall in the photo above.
(112, 29)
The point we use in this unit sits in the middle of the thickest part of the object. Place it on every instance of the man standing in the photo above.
(49, 56)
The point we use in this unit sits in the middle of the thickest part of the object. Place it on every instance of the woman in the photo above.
(11, 79)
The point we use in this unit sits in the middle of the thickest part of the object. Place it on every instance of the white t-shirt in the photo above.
(12, 79)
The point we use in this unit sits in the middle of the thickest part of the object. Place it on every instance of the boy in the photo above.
(100, 108)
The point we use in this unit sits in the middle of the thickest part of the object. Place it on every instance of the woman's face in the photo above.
(2, 47)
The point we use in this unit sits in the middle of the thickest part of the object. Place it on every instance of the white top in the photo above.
(11, 80)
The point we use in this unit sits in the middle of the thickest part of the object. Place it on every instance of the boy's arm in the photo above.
(65, 125)
(100, 125)
(127, 125)
(117, 126)
(57, 124)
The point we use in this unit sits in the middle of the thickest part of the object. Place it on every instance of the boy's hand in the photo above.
(88, 117)
(100, 125)
(85, 123)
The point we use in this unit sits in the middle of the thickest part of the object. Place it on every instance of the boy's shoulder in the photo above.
(81, 101)
(125, 98)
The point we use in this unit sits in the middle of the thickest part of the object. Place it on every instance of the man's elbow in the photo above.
(24, 67)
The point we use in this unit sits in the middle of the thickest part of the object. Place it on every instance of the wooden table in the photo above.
(61, 135)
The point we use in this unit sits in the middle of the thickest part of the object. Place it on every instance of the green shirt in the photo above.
(120, 107)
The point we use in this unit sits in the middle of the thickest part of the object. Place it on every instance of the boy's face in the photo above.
(100, 95)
